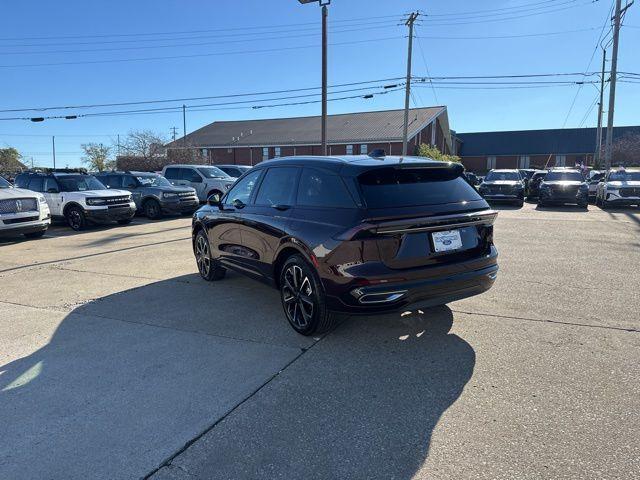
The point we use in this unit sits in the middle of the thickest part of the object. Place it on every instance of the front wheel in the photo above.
(303, 299)
(75, 218)
(152, 209)
(208, 268)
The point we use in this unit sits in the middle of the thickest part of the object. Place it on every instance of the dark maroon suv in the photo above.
(354, 235)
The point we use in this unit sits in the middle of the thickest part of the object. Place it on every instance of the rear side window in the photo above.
(390, 187)
(190, 175)
(172, 173)
(22, 181)
(278, 187)
(320, 189)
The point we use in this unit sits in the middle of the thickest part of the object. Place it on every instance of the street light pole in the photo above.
(323, 121)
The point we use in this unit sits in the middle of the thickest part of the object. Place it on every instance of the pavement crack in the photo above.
(557, 322)
(169, 461)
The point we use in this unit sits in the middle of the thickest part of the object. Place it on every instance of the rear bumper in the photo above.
(111, 214)
(415, 294)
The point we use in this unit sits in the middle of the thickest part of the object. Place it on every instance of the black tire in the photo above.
(125, 221)
(303, 298)
(519, 203)
(584, 206)
(604, 204)
(75, 218)
(152, 209)
(208, 268)
(598, 202)
(540, 203)
(39, 234)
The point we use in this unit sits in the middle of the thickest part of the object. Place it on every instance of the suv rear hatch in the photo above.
(421, 215)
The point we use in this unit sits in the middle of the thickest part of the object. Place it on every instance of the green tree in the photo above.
(430, 151)
(10, 160)
(97, 156)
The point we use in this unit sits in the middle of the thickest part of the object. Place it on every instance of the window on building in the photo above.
(278, 152)
(523, 161)
(364, 149)
(491, 163)
(561, 160)
(349, 149)
(265, 153)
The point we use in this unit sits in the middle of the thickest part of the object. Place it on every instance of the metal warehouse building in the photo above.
(483, 151)
(249, 142)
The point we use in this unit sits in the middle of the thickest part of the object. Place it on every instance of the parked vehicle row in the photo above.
(564, 185)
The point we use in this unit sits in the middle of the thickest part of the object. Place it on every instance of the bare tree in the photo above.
(97, 156)
(144, 144)
(626, 150)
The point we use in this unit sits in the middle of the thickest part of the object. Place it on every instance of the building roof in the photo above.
(364, 127)
(535, 142)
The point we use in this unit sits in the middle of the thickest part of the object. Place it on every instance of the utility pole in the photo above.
(608, 153)
(118, 154)
(173, 132)
(53, 142)
(184, 125)
(323, 135)
(600, 108)
(407, 89)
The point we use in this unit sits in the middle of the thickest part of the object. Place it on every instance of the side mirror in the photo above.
(53, 190)
(213, 200)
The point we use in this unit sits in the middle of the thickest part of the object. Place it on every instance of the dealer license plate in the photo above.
(448, 240)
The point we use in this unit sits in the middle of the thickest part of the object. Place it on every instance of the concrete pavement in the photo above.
(118, 362)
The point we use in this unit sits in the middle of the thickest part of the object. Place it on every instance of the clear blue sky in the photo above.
(224, 61)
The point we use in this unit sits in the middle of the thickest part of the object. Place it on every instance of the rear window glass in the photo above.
(389, 187)
(319, 189)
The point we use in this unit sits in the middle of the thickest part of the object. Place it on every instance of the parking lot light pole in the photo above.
(323, 127)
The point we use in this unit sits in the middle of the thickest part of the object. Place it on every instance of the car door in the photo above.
(224, 225)
(173, 175)
(265, 220)
(55, 198)
(189, 177)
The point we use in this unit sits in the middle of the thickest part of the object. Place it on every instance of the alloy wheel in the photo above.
(203, 258)
(75, 219)
(298, 297)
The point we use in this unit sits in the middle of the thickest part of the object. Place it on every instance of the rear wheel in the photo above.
(303, 299)
(35, 234)
(208, 268)
(152, 209)
(75, 218)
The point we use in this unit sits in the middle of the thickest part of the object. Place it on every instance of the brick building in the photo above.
(480, 152)
(248, 142)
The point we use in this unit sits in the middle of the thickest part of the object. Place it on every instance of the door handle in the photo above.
(281, 207)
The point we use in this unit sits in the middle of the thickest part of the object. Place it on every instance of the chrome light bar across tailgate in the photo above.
(485, 217)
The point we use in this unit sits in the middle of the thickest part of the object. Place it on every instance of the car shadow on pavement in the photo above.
(561, 208)
(136, 375)
(362, 403)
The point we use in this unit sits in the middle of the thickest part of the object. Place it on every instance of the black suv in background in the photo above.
(534, 183)
(564, 186)
(153, 194)
(503, 185)
(352, 234)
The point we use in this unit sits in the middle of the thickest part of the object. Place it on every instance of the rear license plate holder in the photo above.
(446, 241)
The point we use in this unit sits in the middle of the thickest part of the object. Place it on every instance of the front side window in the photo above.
(320, 189)
(241, 191)
(497, 176)
(172, 173)
(79, 183)
(4, 183)
(35, 184)
(278, 187)
(129, 182)
(393, 188)
(190, 175)
(50, 185)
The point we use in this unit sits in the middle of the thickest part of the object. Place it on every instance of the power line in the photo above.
(500, 37)
(507, 11)
(426, 67)
(490, 10)
(197, 55)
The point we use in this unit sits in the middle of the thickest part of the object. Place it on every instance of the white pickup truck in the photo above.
(22, 212)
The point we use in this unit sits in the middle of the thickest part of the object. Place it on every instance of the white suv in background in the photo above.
(22, 212)
(620, 187)
(206, 179)
(80, 198)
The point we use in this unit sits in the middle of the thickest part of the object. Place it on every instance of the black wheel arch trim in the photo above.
(70, 205)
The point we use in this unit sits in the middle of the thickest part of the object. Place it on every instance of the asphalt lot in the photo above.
(117, 361)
